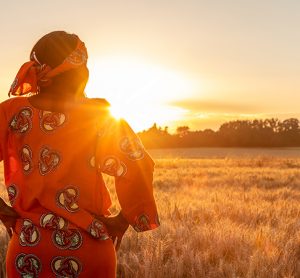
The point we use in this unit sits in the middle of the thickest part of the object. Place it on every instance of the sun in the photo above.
(138, 90)
(117, 112)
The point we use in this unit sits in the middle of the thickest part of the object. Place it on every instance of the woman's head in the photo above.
(53, 48)
(57, 63)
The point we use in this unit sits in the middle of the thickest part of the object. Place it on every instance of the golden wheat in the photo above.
(219, 218)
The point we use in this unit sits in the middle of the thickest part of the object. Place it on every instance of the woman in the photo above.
(55, 143)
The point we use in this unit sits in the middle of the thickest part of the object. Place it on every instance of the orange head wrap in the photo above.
(32, 75)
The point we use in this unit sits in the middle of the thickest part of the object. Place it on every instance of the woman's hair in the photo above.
(54, 47)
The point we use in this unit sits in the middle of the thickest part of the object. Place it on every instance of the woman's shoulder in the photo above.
(12, 101)
(97, 103)
(95, 107)
(12, 104)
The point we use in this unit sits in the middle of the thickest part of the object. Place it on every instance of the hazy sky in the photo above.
(216, 60)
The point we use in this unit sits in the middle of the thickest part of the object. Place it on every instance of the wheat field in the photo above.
(220, 217)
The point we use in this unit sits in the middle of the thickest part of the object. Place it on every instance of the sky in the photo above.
(189, 62)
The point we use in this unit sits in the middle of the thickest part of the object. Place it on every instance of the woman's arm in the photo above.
(121, 154)
(7, 214)
(116, 226)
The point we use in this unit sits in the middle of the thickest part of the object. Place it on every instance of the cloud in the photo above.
(212, 106)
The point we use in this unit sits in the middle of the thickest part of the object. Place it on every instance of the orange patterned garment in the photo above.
(53, 165)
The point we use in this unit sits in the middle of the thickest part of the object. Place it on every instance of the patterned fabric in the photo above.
(53, 172)
(33, 74)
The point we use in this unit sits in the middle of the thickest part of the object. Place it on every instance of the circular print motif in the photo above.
(98, 230)
(67, 267)
(26, 159)
(12, 193)
(142, 223)
(93, 161)
(67, 239)
(52, 221)
(132, 147)
(29, 235)
(22, 121)
(28, 265)
(113, 166)
(77, 58)
(68, 199)
(48, 161)
(50, 121)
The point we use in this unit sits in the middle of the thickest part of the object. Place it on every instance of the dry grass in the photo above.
(219, 218)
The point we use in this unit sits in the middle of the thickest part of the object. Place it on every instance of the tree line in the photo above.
(238, 133)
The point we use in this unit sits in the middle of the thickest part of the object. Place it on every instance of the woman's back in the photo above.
(55, 149)
(47, 150)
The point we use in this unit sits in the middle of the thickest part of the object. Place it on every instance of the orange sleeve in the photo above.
(121, 154)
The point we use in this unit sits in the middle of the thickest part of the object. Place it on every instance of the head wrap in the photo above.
(32, 75)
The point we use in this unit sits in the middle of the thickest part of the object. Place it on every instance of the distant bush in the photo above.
(239, 133)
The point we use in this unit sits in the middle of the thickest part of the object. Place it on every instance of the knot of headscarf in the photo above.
(32, 75)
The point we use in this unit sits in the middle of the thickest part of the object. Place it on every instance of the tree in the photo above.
(182, 131)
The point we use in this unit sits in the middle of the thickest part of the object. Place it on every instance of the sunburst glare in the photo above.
(138, 91)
